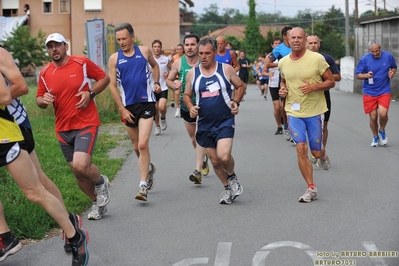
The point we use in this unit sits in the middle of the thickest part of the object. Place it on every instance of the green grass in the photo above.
(28, 220)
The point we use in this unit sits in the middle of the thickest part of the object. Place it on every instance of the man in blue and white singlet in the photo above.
(133, 93)
(212, 82)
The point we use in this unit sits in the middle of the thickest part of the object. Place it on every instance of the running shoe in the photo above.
(76, 221)
(310, 194)
(150, 177)
(9, 246)
(172, 104)
(313, 160)
(279, 131)
(80, 252)
(177, 112)
(324, 163)
(164, 124)
(226, 196)
(205, 166)
(96, 212)
(236, 188)
(384, 139)
(142, 195)
(157, 131)
(102, 192)
(196, 177)
(287, 135)
(375, 142)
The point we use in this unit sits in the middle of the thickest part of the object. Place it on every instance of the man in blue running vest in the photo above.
(216, 107)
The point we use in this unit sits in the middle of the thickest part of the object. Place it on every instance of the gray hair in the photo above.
(374, 42)
(211, 41)
(125, 25)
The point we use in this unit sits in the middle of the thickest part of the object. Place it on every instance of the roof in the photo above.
(373, 19)
(189, 2)
(238, 30)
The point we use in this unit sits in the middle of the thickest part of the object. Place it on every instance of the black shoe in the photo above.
(80, 253)
(76, 221)
(9, 247)
(279, 131)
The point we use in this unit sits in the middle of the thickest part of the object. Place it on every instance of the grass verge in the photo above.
(28, 220)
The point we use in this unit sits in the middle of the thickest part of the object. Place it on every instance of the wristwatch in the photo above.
(238, 104)
(92, 94)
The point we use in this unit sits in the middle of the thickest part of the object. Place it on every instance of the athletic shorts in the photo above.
(244, 78)
(209, 139)
(187, 118)
(370, 103)
(82, 140)
(10, 151)
(28, 137)
(312, 127)
(274, 93)
(328, 101)
(140, 110)
(264, 81)
(162, 94)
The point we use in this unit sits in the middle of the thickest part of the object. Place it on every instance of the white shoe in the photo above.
(375, 142)
(157, 131)
(96, 212)
(287, 134)
(177, 113)
(164, 125)
(310, 194)
(383, 138)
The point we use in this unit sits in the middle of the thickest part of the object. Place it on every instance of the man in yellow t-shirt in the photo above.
(305, 75)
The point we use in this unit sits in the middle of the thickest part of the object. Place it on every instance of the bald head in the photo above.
(297, 39)
(221, 38)
(221, 42)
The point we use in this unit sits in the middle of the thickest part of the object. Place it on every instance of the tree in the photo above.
(253, 39)
(235, 42)
(27, 50)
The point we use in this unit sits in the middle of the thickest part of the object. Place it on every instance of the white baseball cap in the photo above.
(56, 37)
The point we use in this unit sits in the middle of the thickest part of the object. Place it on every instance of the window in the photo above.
(10, 12)
(64, 6)
(92, 5)
(47, 6)
(10, 8)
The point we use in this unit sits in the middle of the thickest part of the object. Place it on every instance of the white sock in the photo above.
(143, 183)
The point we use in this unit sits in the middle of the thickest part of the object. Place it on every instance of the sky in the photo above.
(290, 8)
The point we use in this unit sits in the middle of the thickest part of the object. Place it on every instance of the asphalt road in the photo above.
(183, 224)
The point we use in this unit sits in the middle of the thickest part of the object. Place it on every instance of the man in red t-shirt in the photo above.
(66, 84)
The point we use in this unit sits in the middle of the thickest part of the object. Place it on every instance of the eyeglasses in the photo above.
(55, 45)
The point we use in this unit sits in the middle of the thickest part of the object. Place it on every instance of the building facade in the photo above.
(151, 19)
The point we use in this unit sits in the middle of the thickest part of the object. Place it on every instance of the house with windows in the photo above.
(151, 19)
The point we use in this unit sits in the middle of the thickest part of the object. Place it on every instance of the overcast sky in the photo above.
(290, 8)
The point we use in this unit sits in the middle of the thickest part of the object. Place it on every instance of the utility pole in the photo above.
(375, 7)
(347, 52)
(356, 12)
(312, 22)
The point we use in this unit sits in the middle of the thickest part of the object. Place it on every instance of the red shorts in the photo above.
(370, 103)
